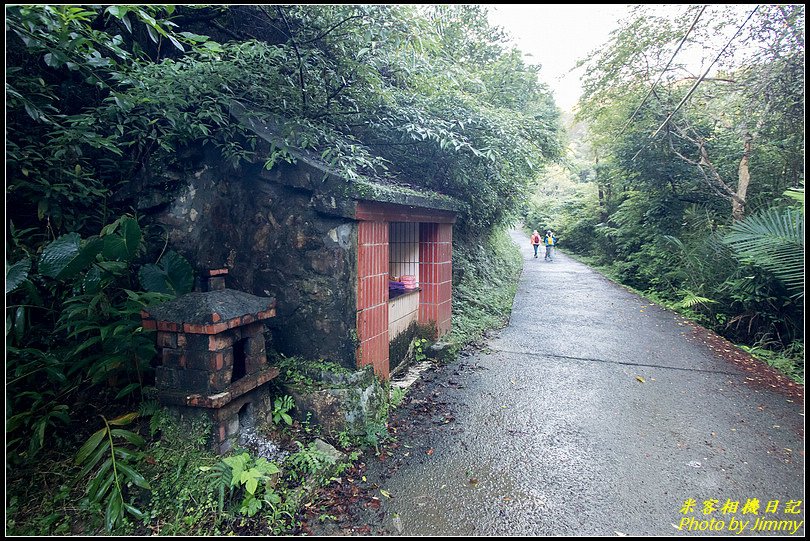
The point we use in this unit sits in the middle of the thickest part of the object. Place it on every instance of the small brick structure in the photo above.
(213, 359)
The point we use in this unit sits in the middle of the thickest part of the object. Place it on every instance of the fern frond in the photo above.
(691, 300)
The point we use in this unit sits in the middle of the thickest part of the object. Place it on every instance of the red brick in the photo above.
(217, 328)
(166, 339)
(370, 319)
(173, 358)
(362, 261)
(374, 292)
(215, 272)
(168, 326)
(215, 317)
(219, 361)
(149, 324)
(219, 342)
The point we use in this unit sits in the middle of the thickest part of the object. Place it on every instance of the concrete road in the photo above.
(596, 412)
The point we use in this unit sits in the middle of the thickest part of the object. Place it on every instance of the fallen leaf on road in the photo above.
(385, 493)
(640, 379)
(429, 451)
(474, 481)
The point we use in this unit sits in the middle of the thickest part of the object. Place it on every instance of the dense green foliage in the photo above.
(98, 97)
(698, 217)
(485, 278)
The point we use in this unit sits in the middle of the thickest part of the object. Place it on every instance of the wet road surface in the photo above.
(593, 412)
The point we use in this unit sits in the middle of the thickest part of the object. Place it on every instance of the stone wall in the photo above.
(266, 230)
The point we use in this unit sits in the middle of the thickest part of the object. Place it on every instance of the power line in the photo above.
(652, 88)
(691, 90)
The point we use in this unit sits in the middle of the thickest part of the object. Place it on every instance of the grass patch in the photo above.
(485, 279)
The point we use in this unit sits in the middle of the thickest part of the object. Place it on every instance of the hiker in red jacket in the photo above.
(536, 240)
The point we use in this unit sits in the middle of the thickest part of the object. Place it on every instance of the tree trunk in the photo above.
(743, 180)
(603, 215)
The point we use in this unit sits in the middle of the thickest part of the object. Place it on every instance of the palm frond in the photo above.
(774, 240)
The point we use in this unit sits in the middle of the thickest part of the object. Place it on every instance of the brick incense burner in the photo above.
(213, 357)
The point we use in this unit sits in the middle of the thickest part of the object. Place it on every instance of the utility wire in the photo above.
(691, 90)
(652, 88)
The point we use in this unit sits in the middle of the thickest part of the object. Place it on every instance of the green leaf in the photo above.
(117, 11)
(134, 511)
(251, 505)
(90, 445)
(213, 46)
(237, 464)
(194, 37)
(127, 390)
(123, 245)
(124, 419)
(19, 323)
(133, 476)
(92, 280)
(131, 437)
(151, 32)
(251, 484)
(94, 459)
(172, 275)
(101, 481)
(114, 507)
(176, 43)
(66, 257)
(16, 274)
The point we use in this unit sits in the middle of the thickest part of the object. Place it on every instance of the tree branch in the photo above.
(228, 32)
(330, 29)
(297, 54)
(714, 184)
(716, 79)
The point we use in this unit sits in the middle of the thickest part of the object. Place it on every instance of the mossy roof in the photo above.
(363, 189)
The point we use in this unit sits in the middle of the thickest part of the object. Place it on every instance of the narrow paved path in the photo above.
(593, 412)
